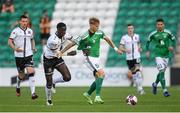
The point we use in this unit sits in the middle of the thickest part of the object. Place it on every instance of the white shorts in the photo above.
(93, 63)
(161, 63)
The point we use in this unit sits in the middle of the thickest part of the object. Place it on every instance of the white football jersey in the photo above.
(131, 44)
(22, 39)
(54, 43)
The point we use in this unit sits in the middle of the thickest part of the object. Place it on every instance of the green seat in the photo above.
(143, 15)
(34, 8)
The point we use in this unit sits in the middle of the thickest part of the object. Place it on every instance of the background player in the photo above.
(22, 42)
(130, 44)
(164, 43)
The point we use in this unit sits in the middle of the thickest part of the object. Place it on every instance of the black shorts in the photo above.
(132, 63)
(22, 63)
(44, 36)
(50, 64)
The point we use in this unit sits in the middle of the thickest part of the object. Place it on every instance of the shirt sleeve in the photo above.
(172, 36)
(150, 37)
(103, 34)
(122, 41)
(68, 36)
(172, 40)
(13, 34)
(52, 44)
(139, 40)
(32, 34)
(77, 39)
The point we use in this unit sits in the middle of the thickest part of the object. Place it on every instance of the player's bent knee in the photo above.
(137, 69)
(100, 73)
(67, 78)
(133, 70)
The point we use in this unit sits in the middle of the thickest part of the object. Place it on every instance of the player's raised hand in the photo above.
(119, 51)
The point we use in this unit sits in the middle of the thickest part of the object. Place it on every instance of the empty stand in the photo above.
(143, 14)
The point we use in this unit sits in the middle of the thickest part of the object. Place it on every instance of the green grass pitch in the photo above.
(70, 99)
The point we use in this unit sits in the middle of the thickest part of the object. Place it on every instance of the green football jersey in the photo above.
(90, 43)
(162, 41)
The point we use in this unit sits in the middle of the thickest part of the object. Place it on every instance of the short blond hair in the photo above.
(94, 20)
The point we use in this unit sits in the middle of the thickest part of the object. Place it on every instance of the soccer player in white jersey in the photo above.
(51, 61)
(89, 43)
(130, 44)
(22, 42)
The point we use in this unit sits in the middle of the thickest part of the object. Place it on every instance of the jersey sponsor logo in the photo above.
(165, 35)
(162, 42)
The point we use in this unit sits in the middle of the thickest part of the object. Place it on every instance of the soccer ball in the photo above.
(131, 100)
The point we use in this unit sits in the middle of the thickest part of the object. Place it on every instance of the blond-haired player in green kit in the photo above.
(89, 43)
(164, 43)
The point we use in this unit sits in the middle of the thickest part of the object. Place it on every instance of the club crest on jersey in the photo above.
(97, 66)
(29, 32)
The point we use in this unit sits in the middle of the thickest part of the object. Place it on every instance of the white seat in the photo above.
(100, 13)
(68, 13)
(71, 6)
(92, 5)
(102, 5)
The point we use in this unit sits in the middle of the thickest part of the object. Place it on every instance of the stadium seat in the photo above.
(143, 15)
(34, 8)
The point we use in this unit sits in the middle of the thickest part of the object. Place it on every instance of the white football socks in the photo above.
(32, 84)
(18, 82)
(137, 77)
(48, 93)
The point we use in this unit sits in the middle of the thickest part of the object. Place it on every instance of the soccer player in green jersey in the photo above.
(164, 42)
(89, 43)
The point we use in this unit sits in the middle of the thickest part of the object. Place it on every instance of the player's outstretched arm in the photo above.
(110, 42)
(60, 53)
(68, 47)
